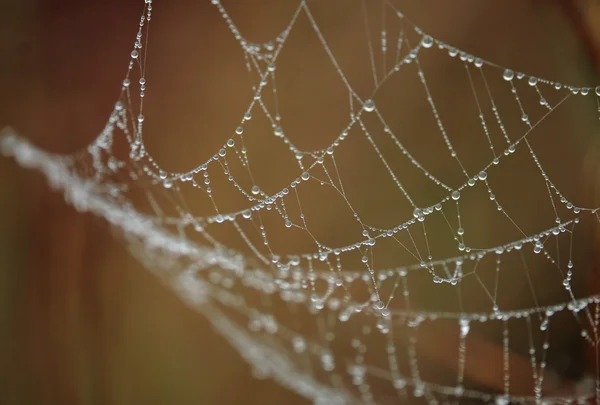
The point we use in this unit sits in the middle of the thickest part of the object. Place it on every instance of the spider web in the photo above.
(379, 266)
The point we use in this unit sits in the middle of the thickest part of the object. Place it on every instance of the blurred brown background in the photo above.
(81, 322)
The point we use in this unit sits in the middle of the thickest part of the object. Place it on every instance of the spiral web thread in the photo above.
(355, 350)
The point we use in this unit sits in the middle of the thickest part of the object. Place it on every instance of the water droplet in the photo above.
(305, 176)
(427, 41)
(278, 131)
(598, 91)
(399, 383)
(134, 54)
(508, 75)
(239, 130)
(532, 81)
(455, 195)
(246, 214)
(482, 175)
(369, 105)
(222, 152)
(502, 400)
(299, 344)
(255, 190)
(464, 327)
(344, 315)
(288, 223)
(230, 143)
(460, 231)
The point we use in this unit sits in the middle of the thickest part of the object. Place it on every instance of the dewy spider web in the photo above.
(352, 322)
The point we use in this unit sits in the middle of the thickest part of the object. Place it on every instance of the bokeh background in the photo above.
(81, 322)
